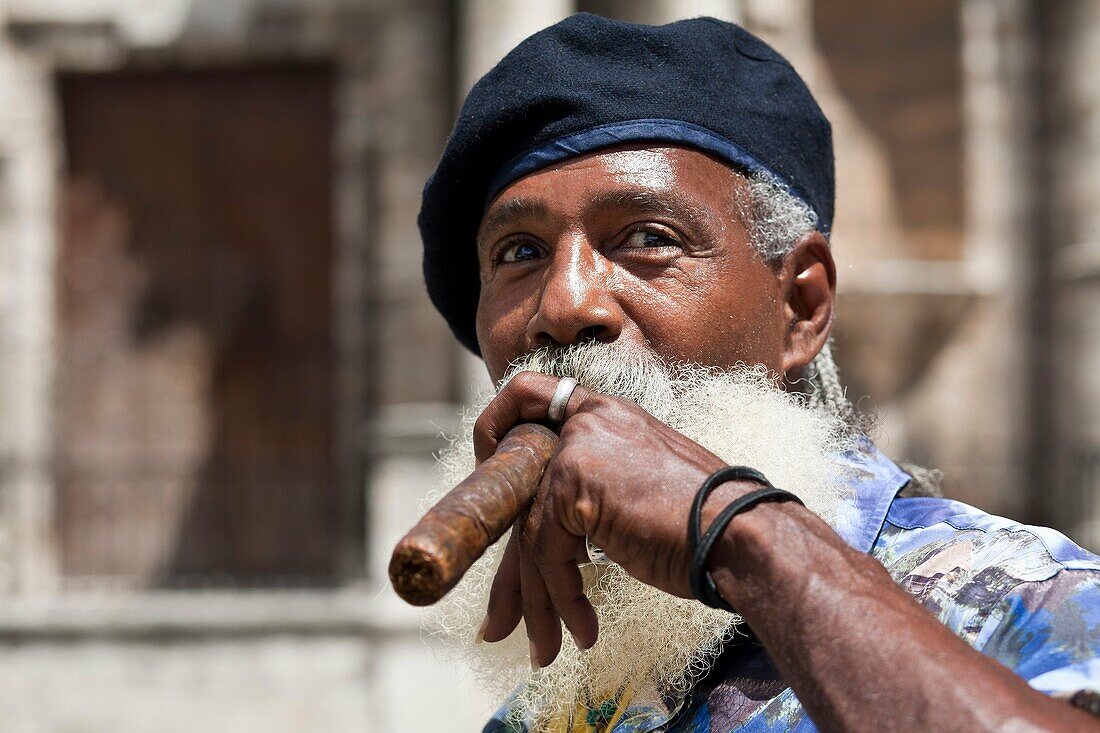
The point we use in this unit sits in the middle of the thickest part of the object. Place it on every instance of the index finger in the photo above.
(525, 398)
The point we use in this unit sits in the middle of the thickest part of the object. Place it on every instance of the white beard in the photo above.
(650, 642)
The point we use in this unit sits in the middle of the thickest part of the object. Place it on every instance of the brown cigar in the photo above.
(437, 552)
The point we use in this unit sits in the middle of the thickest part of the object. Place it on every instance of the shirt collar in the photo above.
(874, 481)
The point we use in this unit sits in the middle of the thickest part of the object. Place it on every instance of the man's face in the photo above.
(638, 244)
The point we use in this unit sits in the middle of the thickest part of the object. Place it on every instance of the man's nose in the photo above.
(576, 302)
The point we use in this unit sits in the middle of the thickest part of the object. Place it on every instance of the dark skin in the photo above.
(645, 245)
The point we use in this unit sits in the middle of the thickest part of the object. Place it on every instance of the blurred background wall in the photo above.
(221, 380)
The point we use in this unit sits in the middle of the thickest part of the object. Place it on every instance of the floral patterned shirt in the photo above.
(1025, 596)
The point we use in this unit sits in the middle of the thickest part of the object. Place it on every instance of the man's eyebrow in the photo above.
(512, 210)
(654, 203)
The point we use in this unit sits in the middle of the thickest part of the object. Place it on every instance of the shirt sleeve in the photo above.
(1048, 632)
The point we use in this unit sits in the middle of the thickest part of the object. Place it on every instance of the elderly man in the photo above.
(630, 225)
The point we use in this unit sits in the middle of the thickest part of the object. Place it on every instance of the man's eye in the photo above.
(644, 238)
(519, 252)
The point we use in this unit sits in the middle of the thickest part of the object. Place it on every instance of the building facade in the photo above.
(221, 381)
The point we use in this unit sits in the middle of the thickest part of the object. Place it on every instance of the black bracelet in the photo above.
(703, 586)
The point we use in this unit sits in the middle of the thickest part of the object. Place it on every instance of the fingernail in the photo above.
(534, 657)
(480, 636)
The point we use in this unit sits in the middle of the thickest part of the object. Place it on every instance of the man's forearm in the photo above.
(859, 653)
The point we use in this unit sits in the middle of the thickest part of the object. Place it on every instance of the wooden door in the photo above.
(195, 390)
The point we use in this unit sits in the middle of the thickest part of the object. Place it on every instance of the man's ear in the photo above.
(807, 280)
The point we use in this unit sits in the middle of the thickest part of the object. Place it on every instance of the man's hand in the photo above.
(621, 478)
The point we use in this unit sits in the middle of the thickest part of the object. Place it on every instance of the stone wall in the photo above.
(342, 659)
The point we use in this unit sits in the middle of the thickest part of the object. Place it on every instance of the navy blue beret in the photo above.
(589, 83)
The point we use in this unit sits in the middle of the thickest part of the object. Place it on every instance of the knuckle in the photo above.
(573, 495)
(523, 384)
(564, 473)
(580, 423)
(578, 461)
(594, 402)
(482, 423)
(486, 422)
(603, 405)
(587, 510)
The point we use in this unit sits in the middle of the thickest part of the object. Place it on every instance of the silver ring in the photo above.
(564, 390)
